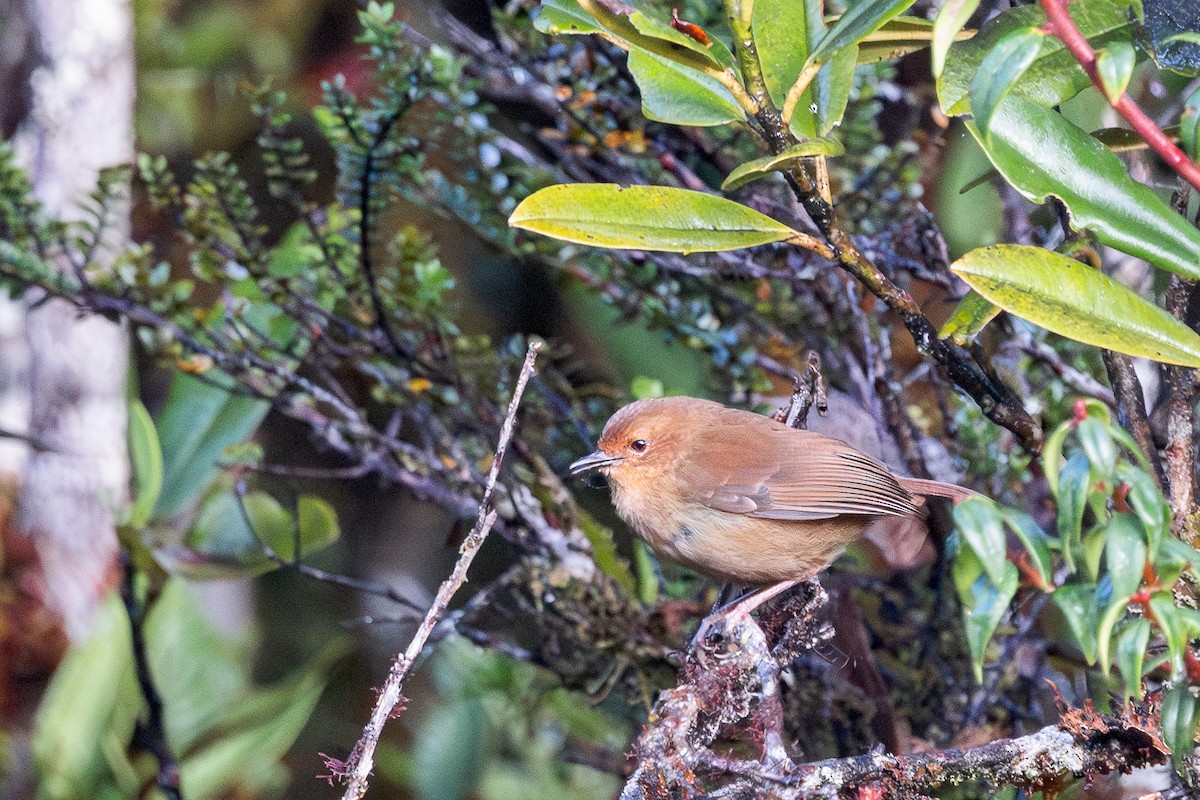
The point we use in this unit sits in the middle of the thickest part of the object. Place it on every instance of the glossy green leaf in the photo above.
(1173, 557)
(1098, 446)
(1092, 550)
(1073, 484)
(833, 84)
(1055, 76)
(1147, 503)
(861, 19)
(895, 38)
(1189, 126)
(1114, 612)
(1114, 65)
(649, 21)
(1077, 602)
(146, 460)
(1052, 454)
(1180, 709)
(1173, 627)
(980, 524)
(761, 167)
(1132, 642)
(965, 568)
(984, 615)
(564, 17)
(970, 316)
(1071, 299)
(645, 218)
(1034, 540)
(1125, 553)
(999, 72)
(950, 20)
(784, 31)
(1042, 154)
(197, 423)
(680, 95)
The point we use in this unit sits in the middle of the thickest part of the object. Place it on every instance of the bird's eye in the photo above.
(638, 445)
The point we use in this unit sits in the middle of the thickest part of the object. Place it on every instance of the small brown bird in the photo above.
(743, 498)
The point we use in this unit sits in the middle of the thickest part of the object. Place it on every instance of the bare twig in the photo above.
(1177, 454)
(1063, 27)
(808, 390)
(358, 769)
(149, 734)
(1131, 407)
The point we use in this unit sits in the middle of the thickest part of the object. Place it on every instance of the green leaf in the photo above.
(965, 568)
(1131, 654)
(1173, 627)
(1034, 540)
(1114, 613)
(784, 31)
(197, 423)
(861, 20)
(970, 316)
(146, 459)
(1147, 502)
(979, 522)
(833, 84)
(1092, 549)
(1173, 557)
(1077, 602)
(1179, 717)
(680, 95)
(761, 167)
(950, 20)
(1114, 64)
(648, 21)
(1055, 76)
(449, 750)
(1052, 454)
(1042, 154)
(984, 615)
(1073, 485)
(1125, 553)
(1098, 446)
(564, 17)
(1000, 71)
(645, 218)
(895, 38)
(1071, 299)
(1189, 126)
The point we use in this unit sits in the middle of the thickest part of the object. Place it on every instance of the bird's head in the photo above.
(642, 438)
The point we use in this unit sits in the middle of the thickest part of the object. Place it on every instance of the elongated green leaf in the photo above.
(1173, 626)
(1077, 602)
(648, 20)
(1180, 712)
(1125, 553)
(146, 459)
(861, 20)
(198, 422)
(984, 615)
(965, 568)
(645, 218)
(950, 20)
(564, 17)
(895, 38)
(1042, 154)
(979, 523)
(1131, 654)
(1098, 445)
(1189, 126)
(1072, 500)
(1114, 612)
(1073, 300)
(1052, 454)
(970, 317)
(1147, 502)
(1000, 71)
(833, 84)
(680, 95)
(761, 167)
(784, 32)
(1035, 542)
(1114, 64)
(1055, 76)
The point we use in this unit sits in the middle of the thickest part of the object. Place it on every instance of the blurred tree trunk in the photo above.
(79, 121)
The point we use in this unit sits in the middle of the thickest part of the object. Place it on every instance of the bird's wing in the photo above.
(794, 475)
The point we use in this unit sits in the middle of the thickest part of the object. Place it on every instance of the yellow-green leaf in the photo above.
(656, 218)
(761, 167)
(1073, 300)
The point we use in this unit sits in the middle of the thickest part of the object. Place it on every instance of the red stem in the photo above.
(1062, 26)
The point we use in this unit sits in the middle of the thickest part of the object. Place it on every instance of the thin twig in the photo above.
(1131, 407)
(149, 734)
(1064, 28)
(362, 759)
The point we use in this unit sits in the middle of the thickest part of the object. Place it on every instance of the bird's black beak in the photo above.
(593, 461)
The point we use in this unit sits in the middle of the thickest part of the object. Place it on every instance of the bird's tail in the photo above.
(937, 489)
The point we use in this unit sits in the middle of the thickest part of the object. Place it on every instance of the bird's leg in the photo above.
(740, 609)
